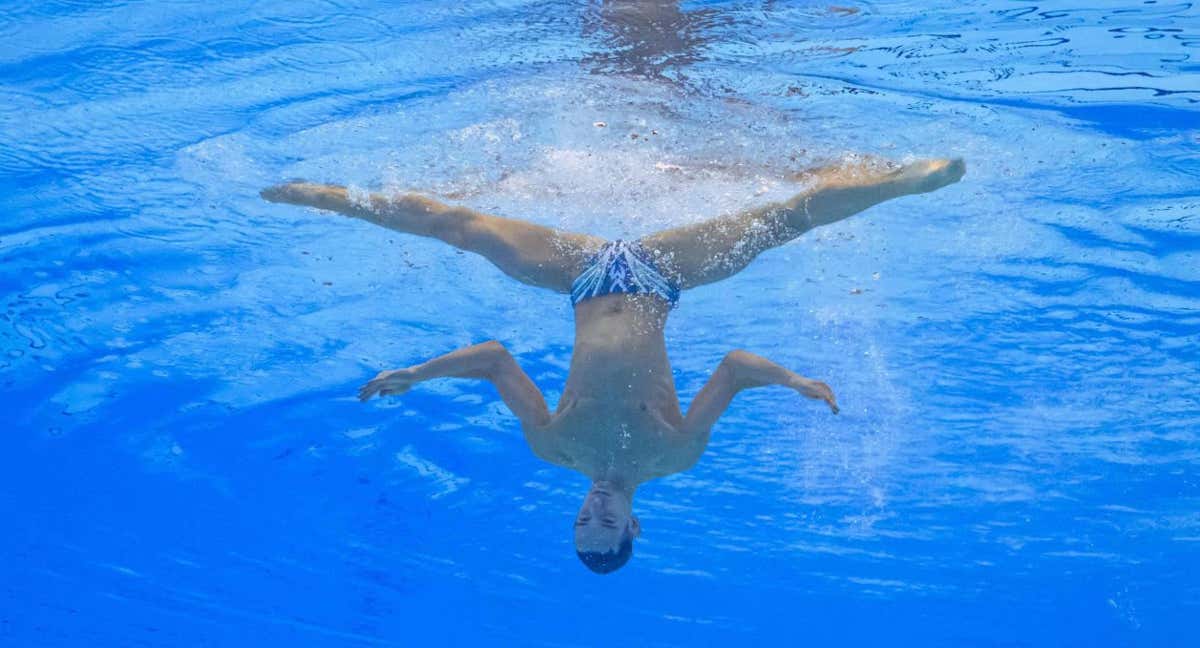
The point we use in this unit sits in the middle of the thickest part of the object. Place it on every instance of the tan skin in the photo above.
(619, 421)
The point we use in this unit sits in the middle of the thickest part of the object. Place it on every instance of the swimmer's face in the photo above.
(604, 520)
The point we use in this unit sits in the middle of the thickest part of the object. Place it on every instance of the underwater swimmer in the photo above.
(618, 421)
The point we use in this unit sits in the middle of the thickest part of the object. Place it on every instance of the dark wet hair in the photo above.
(609, 561)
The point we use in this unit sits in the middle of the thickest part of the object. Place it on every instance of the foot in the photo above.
(862, 169)
(924, 176)
(300, 192)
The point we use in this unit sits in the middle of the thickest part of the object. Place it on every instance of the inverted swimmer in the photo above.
(618, 421)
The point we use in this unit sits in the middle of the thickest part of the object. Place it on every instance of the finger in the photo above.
(831, 399)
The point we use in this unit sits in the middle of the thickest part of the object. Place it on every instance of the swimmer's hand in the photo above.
(814, 389)
(388, 383)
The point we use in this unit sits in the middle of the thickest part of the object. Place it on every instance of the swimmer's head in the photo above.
(605, 528)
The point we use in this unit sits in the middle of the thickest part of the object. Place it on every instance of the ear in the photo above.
(635, 527)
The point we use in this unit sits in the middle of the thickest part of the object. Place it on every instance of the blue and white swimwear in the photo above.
(622, 267)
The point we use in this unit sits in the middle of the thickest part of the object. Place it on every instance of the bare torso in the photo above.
(619, 414)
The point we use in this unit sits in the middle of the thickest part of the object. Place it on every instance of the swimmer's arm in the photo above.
(488, 361)
(738, 370)
(404, 212)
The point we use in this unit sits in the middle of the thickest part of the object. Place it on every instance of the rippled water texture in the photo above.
(1016, 356)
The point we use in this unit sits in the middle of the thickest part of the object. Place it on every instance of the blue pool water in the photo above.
(1016, 356)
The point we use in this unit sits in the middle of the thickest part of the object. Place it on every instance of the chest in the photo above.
(604, 438)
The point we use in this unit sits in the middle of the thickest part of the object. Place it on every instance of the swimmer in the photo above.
(618, 420)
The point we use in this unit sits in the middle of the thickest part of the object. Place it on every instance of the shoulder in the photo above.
(680, 449)
(548, 443)
(684, 452)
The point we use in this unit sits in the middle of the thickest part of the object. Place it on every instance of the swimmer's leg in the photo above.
(536, 255)
(716, 249)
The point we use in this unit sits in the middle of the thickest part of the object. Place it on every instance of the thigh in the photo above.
(533, 254)
(716, 249)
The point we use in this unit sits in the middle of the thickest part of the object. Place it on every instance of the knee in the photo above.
(458, 228)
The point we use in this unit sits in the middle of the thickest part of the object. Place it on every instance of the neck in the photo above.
(616, 488)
